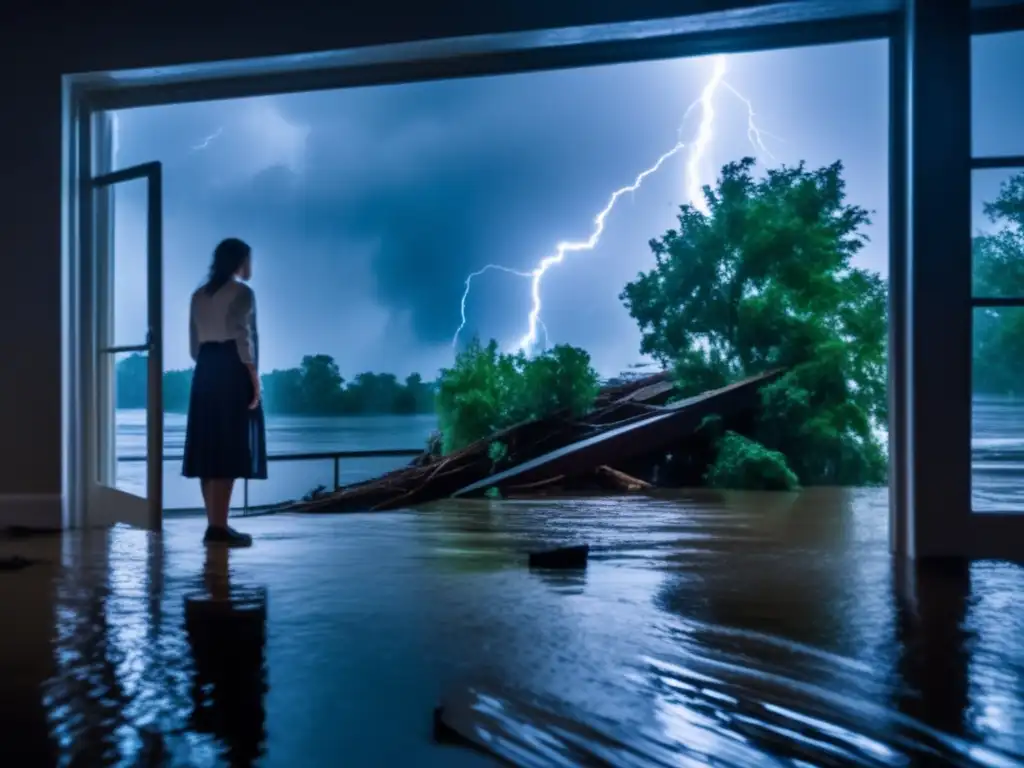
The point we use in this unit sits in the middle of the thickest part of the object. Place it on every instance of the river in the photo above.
(285, 435)
(997, 447)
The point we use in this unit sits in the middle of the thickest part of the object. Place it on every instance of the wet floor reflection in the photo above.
(226, 630)
(746, 629)
(130, 680)
(781, 636)
(567, 582)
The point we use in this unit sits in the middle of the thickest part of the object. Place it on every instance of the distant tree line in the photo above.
(315, 388)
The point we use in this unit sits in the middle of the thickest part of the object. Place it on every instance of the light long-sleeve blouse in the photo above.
(229, 314)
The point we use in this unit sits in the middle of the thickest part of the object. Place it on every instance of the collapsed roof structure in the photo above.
(629, 421)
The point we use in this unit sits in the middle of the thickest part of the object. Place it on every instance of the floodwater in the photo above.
(997, 455)
(737, 629)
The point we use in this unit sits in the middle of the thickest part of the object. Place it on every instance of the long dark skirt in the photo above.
(224, 438)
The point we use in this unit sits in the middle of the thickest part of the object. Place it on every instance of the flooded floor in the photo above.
(741, 629)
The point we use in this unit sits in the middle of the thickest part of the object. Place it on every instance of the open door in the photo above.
(127, 348)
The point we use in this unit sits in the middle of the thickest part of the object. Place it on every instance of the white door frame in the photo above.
(91, 498)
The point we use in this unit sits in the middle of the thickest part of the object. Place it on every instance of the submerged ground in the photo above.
(747, 627)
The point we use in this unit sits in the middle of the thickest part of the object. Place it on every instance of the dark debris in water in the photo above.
(573, 557)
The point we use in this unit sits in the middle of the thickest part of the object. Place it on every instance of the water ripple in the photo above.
(722, 629)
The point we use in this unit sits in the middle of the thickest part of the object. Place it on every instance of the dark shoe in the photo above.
(227, 536)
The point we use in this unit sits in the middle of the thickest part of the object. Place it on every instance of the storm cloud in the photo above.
(368, 207)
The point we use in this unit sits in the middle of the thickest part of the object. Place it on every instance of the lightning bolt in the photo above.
(537, 275)
(754, 134)
(115, 138)
(705, 133)
(208, 140)
(694, 192)
(469, 283)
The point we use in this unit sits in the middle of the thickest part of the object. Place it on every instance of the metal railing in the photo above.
(334, 456)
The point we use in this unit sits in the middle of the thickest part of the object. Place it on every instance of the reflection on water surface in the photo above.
(741, 629)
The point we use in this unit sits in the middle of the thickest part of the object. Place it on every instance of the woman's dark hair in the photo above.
(228, 258)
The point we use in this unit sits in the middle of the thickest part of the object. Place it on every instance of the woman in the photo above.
(225, 437)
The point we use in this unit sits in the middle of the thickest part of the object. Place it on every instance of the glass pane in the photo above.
(130, 398)
(997, 226)
(182, 494)
(287, 481)
(997, 109)
(997, 429)
(359, 470)
(121, 232)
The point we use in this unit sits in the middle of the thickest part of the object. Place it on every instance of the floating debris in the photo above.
(629, 421)
(573, 557)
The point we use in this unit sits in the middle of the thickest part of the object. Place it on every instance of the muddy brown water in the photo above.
(735, 629)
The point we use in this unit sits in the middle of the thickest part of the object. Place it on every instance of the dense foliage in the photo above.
(487, 390)
(745, 464)
(315, 388)
(764, 280)
(999, 273)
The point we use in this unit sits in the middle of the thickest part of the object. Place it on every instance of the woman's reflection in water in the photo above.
(216, 573)
(226, 628)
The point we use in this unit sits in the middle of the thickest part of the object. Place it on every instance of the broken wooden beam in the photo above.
(620, 481)
(628, 422)
(662, 428)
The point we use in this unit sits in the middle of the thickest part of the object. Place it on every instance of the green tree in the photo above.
(372, 393)
(762, 281)
(999, 272)
(130, 377)
(426, 392)
(562, 378)
(131, 381)
(478, 395)
(321, 384)
(415, 396)
(177, 388)
(282, 391)
(405, 399)
(487, 390)
(744, 464)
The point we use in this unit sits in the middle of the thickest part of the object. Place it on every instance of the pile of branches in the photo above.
(431, 477)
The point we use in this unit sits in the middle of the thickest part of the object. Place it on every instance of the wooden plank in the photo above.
(663, 428)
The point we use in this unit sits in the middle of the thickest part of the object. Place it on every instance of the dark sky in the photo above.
(367, 207)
